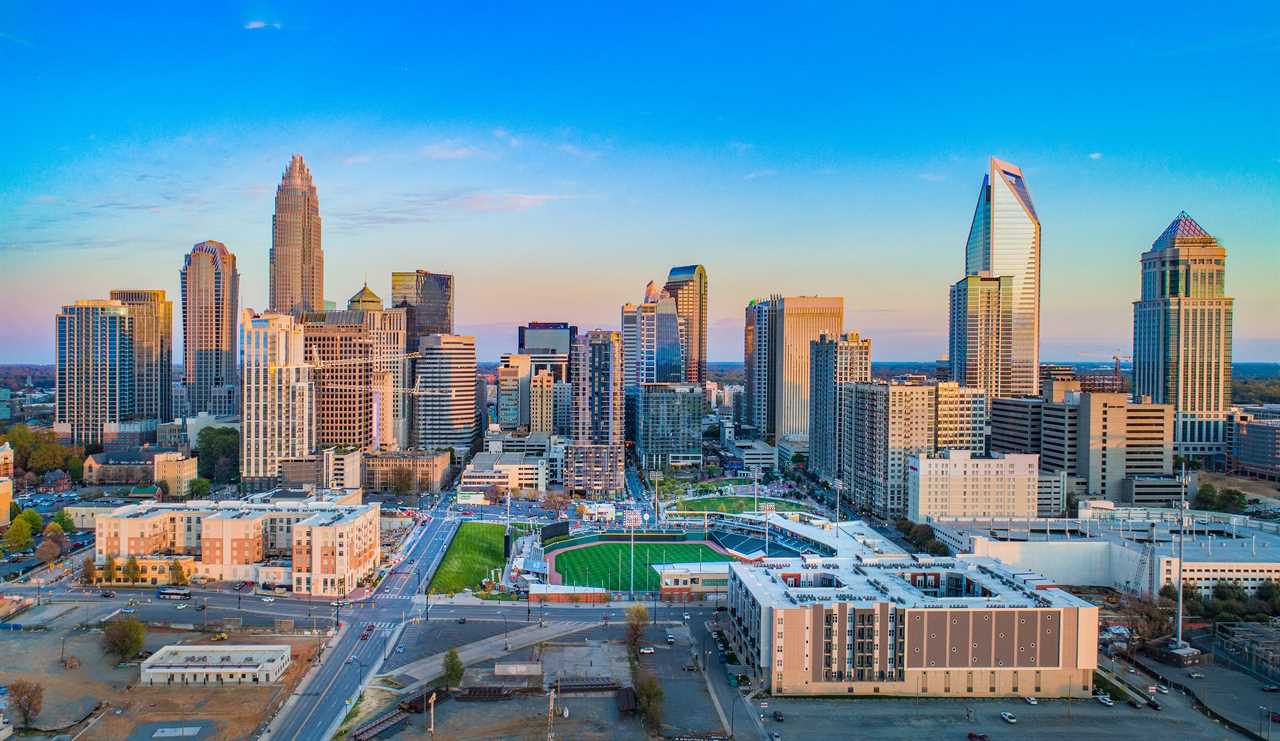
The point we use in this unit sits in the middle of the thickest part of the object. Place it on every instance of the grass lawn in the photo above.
(736, 505)
(606, 564)
(475, 550)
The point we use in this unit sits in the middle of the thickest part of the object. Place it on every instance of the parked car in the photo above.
(1154, 705)
(1162, 689)
(777, 715)
(1271, 688)
(108, 595)
(1196, 675)
(182, 606)
(647, 650)
(268, 599)
(1031, 700)
(1009, 718)
(1106, 700)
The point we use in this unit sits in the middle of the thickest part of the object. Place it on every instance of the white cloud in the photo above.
(504, 201)
(255, 25)
(510, 139)
(450, 150)
(1095, 156)
(576, 151)
(356, 159)
(756, 175)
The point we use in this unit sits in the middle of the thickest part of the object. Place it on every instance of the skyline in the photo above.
(512, 166)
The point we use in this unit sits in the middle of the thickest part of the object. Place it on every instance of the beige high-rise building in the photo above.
(445, 388)
(152, 316)
(358, 360)
(210, 286)
(177, 471)
(94, 372)
(958, 483)
(1119, 439)
(594, 461)
(688, 286)
(1182, 335)
(981, 333)
(800, 320)
(297, 258)
(542, 402)
(962, 418)
(277, 419)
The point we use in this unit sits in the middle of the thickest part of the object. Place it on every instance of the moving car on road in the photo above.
(1008, 717)
(1031, 700)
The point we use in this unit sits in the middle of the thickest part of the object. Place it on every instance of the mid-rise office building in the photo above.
(981, 333)
(652, 348)
(428, 300)
(542, 402)
(445, 388)
(1004, 240)
(1182, 335)
(687, 284)
(594, 461)
(834, 363)
(515, 372)
(504, 473)
(277, 418)
(546, 337)
(562, 408)
(297, 256)
(210, 286)
(957, 483)
(94, 371)
(670, 426)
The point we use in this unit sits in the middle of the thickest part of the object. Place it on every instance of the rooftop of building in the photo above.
(491, 461)
(965, 582)
(1211, 537)
(221, 657)
(129, 456)
(758, 446)
(240, 509)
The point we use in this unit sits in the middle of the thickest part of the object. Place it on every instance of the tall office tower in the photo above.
(542, 402)
(358, 373)
(688, 286)
(670, 426)
(447, 416)
(95, 376)
(429, 299)
(981, 342)
(594, 462)
(759, 320)
(562, 408)
(834, 363)
(210, 288)
(297, 259)
(515, 372)
(889, 423)
(799, 321)
(277, 418)
(652, 348)
(152, 316)
(546, 337)
(1004, 239)
(1182, 334)
(961, 418)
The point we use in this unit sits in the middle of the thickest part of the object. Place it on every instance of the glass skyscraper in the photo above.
(1004, 240)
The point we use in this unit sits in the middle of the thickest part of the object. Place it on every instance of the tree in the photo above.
(48, 551)
(637, 619)
(14, 510)
(124, 638)
(400, 480)
(109, 574)
(28, 699)
(33, 518)
(219, 454)
(1232, 500)
(47, 457)
(649, 694)
(177, 576)
(64, 521)
(89, 570)
(200, 488)
(18, 536)
(132, 572)
(453, 669)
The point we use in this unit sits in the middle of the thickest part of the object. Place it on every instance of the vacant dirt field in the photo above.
(1250, 487)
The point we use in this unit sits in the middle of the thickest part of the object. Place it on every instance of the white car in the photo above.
(130, 610)
(1106, 700)
(1031, 700)
(268, 599)
(686, 617)
(646, 650)
(1009, 718)
(182, 607)
(1162, 689)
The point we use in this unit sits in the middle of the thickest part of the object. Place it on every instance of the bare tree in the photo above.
(28, 699)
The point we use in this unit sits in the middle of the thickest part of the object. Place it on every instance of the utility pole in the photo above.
(551, 714)
(431, 703)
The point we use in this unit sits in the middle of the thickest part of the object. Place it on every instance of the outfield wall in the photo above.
(624, 536)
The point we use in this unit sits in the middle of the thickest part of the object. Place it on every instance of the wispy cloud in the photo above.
(1095, 156)
(575, 151)
(356, 159)
(256, 25)
(757, 174)
(506, 137)
(505, 201)
(741, 147)
(45, 199)
(430, 207)
(932, 177)
(450, 150)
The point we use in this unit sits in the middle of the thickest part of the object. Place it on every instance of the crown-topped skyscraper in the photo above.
(297, 260)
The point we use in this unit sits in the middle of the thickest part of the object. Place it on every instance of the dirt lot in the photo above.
(1250, 487)
(71, 695)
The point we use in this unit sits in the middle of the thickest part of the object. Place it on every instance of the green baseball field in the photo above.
(475, 550)
(608, 565)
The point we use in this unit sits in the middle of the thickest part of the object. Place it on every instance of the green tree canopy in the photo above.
(132, 571)
(33, 518)
(18, 536)
(453, 668)
(200, 488)
(64, 521)
(219, 454)
(124, 638)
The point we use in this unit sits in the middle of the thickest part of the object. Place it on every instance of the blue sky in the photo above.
(556, 157)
